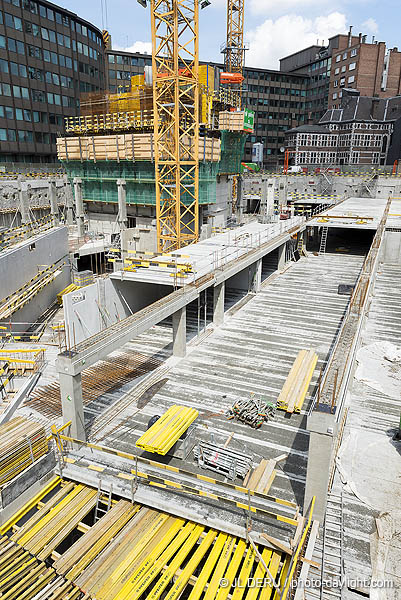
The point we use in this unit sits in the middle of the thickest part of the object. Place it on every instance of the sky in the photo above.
(273, 28)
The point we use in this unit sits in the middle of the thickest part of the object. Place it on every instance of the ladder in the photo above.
(99, 510)
(300, 244)
(323, 241)
(332, 551)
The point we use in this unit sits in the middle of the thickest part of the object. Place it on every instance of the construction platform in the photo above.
(72, 542)
(354, 213)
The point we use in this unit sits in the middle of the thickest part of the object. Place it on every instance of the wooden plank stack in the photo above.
(20, 441)
(128, 146)
(294, 390)
(231, 121)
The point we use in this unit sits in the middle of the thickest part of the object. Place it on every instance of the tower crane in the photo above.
(234, 48)
(175, 66)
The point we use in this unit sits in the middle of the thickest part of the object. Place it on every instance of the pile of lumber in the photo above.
(167, 430)
(294, 390)
(231, 121)
(262, 477)
(128, 146)
(22, 442)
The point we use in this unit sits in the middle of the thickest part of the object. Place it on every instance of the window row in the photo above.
(52, 15)
(11, 135)
(37, 95)
(131, 61)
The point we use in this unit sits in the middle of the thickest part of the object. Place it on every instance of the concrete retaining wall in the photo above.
(20, 484)
(391, 252)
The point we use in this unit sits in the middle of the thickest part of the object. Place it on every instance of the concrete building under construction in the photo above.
(199, 368)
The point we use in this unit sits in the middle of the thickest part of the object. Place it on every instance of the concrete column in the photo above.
(122, 204)
(256, 276)
(281, 256)
(322, 428)
(79, 206)
(24, 202)
(218, 304)
(180, 332)
(282, 192)
(72, 405)
(69, 204)
(52, 191)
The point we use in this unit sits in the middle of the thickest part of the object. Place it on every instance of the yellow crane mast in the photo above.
(234, 49)
(175, 66)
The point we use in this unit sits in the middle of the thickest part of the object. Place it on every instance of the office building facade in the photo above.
(48, 57)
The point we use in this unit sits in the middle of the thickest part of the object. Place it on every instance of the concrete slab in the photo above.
(352, 210)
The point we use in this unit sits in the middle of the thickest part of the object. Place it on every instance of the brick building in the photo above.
(372, 69)
(348, 61)
(363, 131)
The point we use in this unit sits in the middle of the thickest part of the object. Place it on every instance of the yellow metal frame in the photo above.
(175, 64)
(234, 52)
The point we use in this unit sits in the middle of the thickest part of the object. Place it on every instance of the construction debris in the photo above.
(252, 412)
(230, 463)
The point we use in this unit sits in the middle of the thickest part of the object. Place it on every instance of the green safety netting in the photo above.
(99, 180)
(232, 151)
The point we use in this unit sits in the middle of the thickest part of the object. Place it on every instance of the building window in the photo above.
(335, 84)
(351, 79)
(336, 72)
(354, 52)
(352, 66)
(338, 58)
(343, 68)
(345, 56)
(342, 81)
(335, 96)
(3, 135)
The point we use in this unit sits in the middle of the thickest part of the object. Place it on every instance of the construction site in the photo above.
(200, 365)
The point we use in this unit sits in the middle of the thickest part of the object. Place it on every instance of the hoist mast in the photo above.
(234, 49)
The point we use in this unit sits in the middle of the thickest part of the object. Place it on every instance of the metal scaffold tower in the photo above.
(175, 64)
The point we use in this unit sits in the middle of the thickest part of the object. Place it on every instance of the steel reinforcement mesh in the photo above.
(99, 180)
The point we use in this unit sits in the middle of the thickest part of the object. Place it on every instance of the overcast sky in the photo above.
(273, 28)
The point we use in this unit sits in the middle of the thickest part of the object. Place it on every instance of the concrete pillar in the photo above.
(180, 332)
(69, 204)
(322, 428)
(72, 405)
(122, 204)
(282, 193)
(24, 202)
(52, 191)
(256, 276)
(218, 304)
(281, 256)
(79, 206)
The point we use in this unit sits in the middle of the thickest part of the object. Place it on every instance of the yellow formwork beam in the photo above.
(294, 390)
(167, 430)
